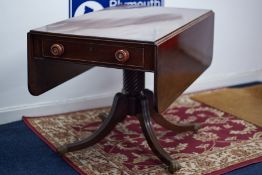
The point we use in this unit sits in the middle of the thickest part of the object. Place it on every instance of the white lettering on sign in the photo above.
(80, 7)
(113, 3)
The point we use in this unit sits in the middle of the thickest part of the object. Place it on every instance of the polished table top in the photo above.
(139, 24)
(175, 44)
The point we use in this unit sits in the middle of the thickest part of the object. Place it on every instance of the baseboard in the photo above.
(259, 76)
(210, 82)
(15, 113)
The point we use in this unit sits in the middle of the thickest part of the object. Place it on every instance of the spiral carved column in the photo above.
(133, 82)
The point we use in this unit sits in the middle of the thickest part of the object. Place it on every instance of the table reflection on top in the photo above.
(139, 24)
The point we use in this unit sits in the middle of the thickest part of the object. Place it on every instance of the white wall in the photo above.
(17, 18)
(237, 56)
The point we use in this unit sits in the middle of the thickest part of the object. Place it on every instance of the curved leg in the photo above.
(145, 122)
(158, 118)
(118, 111)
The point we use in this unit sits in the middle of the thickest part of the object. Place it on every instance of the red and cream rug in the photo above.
(223, 143)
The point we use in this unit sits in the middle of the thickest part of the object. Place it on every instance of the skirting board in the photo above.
(225, 80)
(55, 107)
(15, 113)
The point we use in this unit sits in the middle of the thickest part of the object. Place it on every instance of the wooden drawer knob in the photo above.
(57, 49)
(122, 55)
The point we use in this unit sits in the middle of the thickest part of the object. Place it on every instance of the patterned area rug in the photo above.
(223, 143)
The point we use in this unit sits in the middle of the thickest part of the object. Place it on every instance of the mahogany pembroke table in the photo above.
(175, 44)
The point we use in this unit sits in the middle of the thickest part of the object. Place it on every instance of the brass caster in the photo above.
(174, 166)
(197, 127)
(62, 150)
(103, 116)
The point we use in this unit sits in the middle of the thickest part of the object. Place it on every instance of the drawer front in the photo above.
(93, 52)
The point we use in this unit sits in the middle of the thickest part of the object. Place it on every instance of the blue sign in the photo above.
(80, 7)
